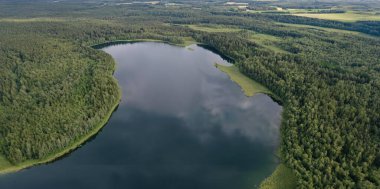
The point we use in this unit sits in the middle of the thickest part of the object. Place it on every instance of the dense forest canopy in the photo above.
(55, 88)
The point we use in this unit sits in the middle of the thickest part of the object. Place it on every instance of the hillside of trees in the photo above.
(55, 88)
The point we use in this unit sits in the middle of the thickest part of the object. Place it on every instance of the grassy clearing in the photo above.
(290, 11)
(214, 28)
(22, 20)
(305, 11)
(331, 30)
(282, 178)
(248, 86)
(344, 17)
(348, 16)
(322, 28)
(267, 41)
(59, 20)
(188, 41)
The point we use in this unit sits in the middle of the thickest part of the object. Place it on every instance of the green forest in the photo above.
(56, 88)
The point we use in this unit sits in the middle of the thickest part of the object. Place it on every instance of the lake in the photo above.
(181, 123)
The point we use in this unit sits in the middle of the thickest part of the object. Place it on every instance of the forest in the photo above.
(55, 88)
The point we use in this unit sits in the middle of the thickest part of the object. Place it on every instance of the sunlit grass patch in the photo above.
(267, 41)
(22, 20)
(344, 17)
(248, 86)
(214, 28)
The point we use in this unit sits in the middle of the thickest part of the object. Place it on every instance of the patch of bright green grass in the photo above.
(305, 11)
(32, 20)
(187, 41)
(267, 41)
(214, 28)
(332, 30)
(344, 17)
(319, 28)
(282, 178)
(248, 86)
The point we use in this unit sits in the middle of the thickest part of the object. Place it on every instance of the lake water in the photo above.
(181, 124)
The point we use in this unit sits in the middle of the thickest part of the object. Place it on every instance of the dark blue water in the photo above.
(181, 124)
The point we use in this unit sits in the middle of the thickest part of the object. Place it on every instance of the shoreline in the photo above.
(72, 147)
(249, 87)
(77, 144)
(116, 42)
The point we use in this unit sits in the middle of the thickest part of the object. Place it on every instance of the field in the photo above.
(344, 17)
(248, 86)
(21, 20)
(323, 29)
(267, 41)
(214, 28)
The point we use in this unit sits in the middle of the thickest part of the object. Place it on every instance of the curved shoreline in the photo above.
(75, 145)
